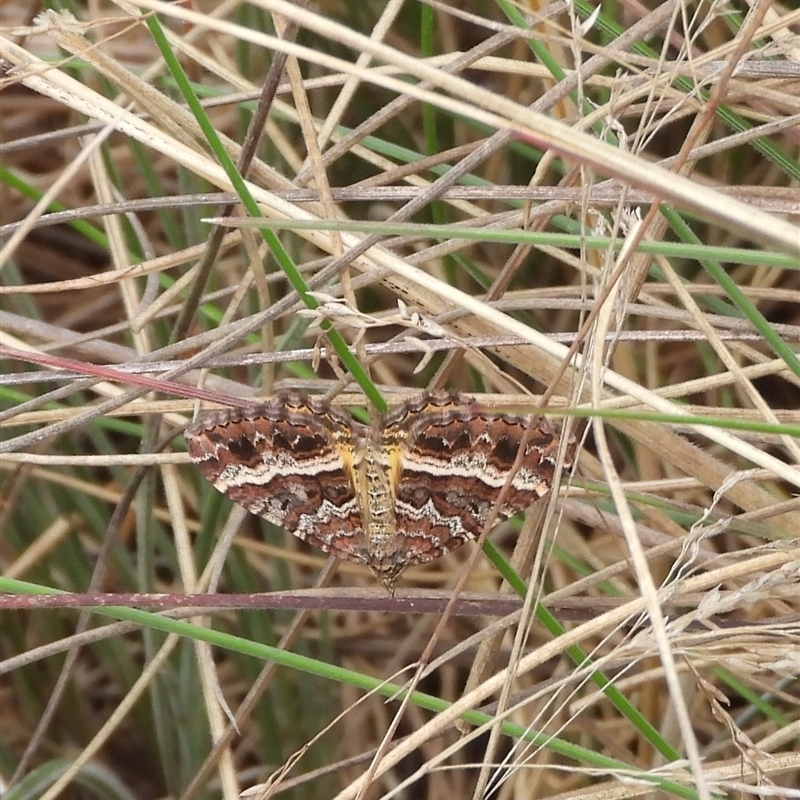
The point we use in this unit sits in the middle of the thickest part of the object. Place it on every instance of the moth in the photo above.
(413, 486)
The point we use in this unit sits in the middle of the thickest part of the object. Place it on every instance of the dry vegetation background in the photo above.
(669, 558)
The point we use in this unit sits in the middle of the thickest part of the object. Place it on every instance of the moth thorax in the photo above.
(378, 506)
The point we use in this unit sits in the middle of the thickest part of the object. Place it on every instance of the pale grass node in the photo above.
(611, 123)
(427, 350)
(588, 24)
(415, 319)
(338, 310)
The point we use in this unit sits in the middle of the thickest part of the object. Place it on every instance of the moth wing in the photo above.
(453, 463)
(289, 461)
